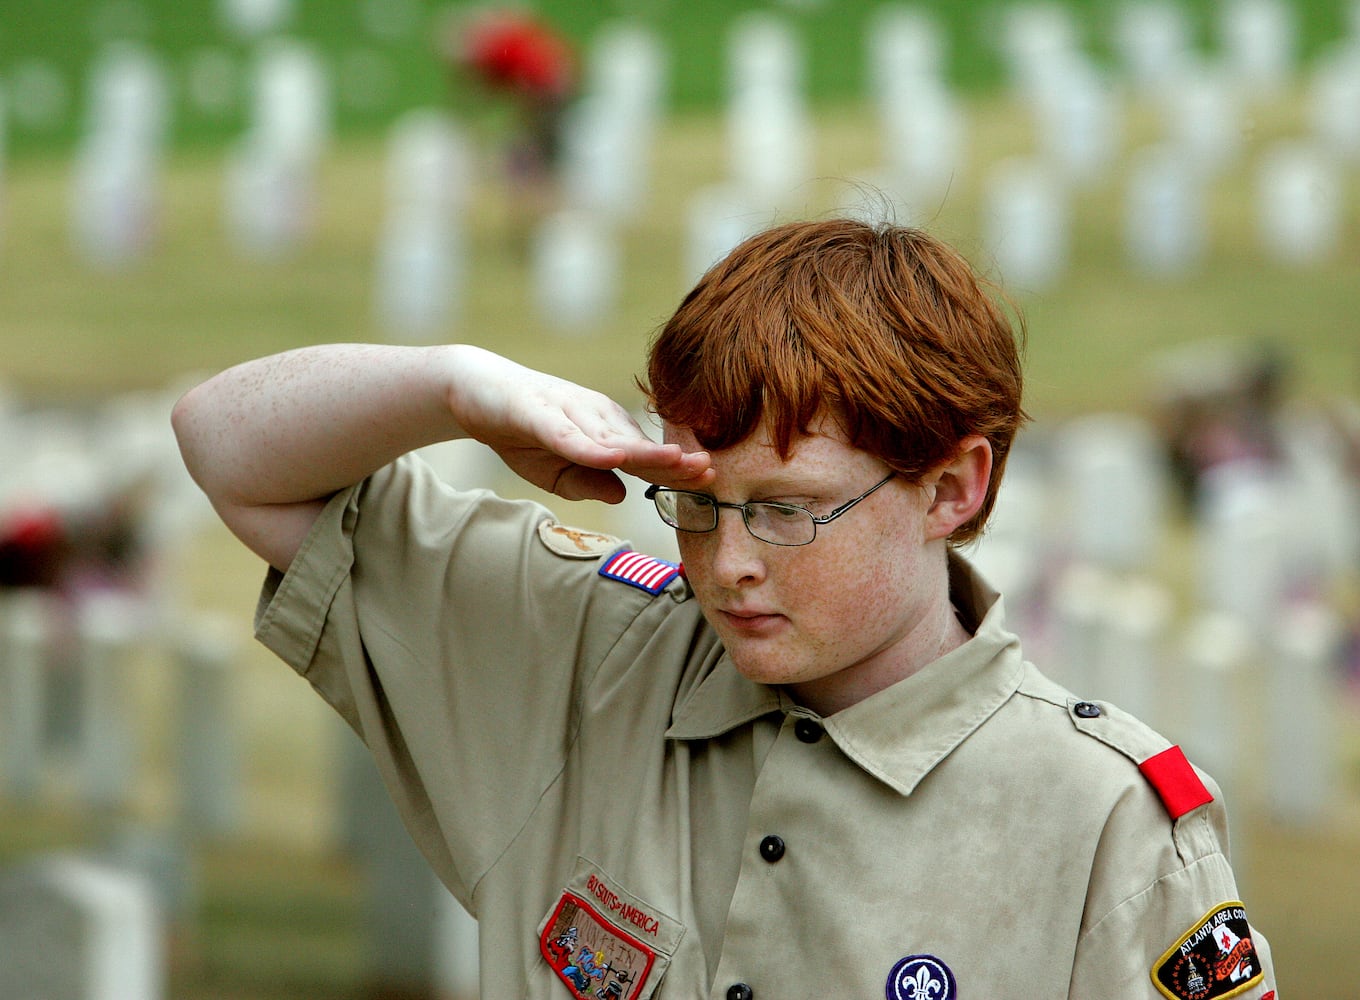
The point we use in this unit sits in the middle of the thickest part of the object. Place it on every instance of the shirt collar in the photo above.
(901, 733)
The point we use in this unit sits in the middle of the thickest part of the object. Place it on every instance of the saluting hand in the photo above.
(560, 436)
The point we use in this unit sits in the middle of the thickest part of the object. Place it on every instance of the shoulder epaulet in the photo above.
(1162, 763)
(638, 570)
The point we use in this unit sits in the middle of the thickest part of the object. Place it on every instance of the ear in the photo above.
(959, 487)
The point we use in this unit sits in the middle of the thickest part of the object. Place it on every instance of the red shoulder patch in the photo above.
(1176, 782)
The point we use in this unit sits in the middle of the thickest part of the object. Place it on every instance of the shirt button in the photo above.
(807, 730)
(1087, 710)
(772, 848)
(739, 991)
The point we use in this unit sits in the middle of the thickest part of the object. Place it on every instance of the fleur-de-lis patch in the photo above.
(921, 977)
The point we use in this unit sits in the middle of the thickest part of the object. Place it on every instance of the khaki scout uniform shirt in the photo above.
(625, 813)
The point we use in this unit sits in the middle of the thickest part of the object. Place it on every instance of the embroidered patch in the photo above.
(575, 543)
(921, 977)
(1176, 782)
(1215, 958)
(591, 956)
(644, 572)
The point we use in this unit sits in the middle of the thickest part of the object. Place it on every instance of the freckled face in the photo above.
(836, 619)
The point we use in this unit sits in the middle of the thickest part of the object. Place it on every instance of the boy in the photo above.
(810, 762)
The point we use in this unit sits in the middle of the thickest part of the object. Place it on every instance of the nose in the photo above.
(734, 554)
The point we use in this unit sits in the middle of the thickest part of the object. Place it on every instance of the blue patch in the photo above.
(921, 977)
(644, 572)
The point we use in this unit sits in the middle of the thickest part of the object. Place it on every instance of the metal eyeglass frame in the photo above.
(745, 508)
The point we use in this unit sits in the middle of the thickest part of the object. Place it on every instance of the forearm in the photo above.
(299, 426)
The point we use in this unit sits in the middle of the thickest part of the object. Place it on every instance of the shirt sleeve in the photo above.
(1184, 936)
(455, 643)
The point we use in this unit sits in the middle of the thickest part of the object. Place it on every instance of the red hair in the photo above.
(885, 328)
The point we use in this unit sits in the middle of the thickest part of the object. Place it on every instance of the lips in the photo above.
(750, 621)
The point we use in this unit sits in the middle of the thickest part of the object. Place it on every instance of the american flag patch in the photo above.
(642, 571)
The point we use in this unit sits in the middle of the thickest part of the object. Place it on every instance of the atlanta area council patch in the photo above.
(1215, 958)
(592, 956)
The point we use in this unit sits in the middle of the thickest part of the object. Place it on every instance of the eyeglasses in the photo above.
(776, 523)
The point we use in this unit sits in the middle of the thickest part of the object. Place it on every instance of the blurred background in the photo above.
(1167, 192)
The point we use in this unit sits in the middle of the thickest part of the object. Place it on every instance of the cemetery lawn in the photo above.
(279, 914)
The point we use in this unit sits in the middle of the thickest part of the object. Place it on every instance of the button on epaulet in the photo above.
(1163, 764)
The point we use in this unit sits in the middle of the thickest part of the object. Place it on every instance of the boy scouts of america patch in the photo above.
(591, 956)
(1215, 958)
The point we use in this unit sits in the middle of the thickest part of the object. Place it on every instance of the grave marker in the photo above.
(420, 259)
(576, 269)
(1153, 40)
(1298, 191)
(1025, 224)
(1165, 224)
(73, 928)
(1258, 39)
(25, 624)
(1301, 733)
(1113, 484)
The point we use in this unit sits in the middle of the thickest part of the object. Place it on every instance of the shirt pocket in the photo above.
(604, 943)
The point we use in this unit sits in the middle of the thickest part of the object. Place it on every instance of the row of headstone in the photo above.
(1249, 682)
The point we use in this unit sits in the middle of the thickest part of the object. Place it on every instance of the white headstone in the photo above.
(1333, 99)
(1081, 599)
(1165, 221)
(116, 196)
(291, 112)
(1153, 40)
(1299, 202)
(904, 43)
(925, 136)
(763, 54)
(1034, 39)
(109, 623)
(1203, 116)
(74, 928)
(26, 628)
(576, 270)
(1215, 661)
(628, 70)
(769, 143)
(1301, 740)
(268, 199)
(457, 964)
(1078, 118)
(768, 131)
(1258, 39)
(250, 18)
(1025, 224)
(209, 756)
(609, 133)
(718, 217)
(1243, 536)
(602, 159)
(129, 98)
(1112, 479)
(420, 260)
(1132, 664)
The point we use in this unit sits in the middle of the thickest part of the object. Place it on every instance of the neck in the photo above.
(933, 637)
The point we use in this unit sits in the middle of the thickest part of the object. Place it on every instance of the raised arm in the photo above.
(270, 440)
